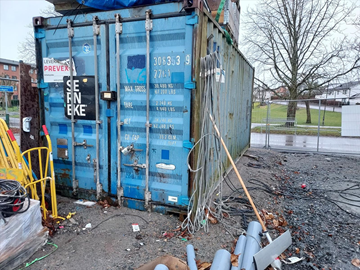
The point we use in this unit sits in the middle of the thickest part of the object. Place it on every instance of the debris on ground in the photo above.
(85, 202)
(323, 219)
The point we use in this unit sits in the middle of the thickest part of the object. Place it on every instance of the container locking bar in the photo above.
(96, 32)
(84, 144)
(136, 165)
(129, 149)
(118, 31)
(148, 28)
(75, 183)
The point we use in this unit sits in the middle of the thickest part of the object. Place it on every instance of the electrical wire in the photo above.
(207, 202)
(12, 198)
(118, 215)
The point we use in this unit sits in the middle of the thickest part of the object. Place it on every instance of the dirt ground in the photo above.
(323, 217)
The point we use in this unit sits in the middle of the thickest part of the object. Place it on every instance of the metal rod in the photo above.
(238, 175)
(148, 27)
(267, 126)
(71, 35)
(96, 31)
(118, 30)
(318, 135)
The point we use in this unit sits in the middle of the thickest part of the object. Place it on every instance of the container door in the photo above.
(57, 101)
(170, 94)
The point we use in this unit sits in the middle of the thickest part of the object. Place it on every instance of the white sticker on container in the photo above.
(55, 70)
(172, 199)
(217, 74)
(223, 76)
(165, 166)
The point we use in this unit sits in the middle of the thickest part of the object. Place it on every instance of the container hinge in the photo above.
(188, 144)
(148, 21)
(39, 33)
(70, 28)
(194, 19)
(118, 24)
(96, 27)
(190, 85)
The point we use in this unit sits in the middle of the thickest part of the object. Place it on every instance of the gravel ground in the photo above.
(323, 224)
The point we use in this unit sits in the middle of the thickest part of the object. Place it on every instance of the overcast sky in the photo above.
(15, 17)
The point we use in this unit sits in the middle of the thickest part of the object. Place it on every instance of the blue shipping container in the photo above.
(135, 147)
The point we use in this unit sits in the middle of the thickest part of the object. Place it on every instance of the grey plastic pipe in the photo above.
(161, 267)
(240, 249)
(191, 257)
(221, 260)
(252, 245)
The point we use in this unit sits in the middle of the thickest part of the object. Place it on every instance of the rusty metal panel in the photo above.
(29, 107)
(62, 148)
(232, 101)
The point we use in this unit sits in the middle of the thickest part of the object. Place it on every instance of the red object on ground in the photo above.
(303, 186)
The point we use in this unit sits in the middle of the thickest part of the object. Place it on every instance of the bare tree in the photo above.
(296, 39)
(26, 49)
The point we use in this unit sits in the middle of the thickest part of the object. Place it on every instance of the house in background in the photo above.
(281, 93)
(262, 94)
(346, 93)
(10, 74)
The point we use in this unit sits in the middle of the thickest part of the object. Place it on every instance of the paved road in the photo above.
(308, 143)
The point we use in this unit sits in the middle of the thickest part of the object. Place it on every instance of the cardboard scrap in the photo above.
(171, 262)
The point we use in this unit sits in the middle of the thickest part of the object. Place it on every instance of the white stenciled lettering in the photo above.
(140, 88)
(128, 88)
(128, 105)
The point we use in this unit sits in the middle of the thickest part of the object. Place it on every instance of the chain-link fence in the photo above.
(313, 125)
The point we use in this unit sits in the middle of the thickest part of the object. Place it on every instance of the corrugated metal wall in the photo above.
(176, 45)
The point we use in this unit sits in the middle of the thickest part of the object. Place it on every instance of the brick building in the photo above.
(10, 74)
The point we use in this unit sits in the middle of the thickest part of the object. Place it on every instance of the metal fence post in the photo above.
(267, 126)
(318, 135)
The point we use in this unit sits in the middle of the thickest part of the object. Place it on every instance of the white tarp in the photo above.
(21, 236)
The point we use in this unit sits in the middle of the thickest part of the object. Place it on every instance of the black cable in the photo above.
(117, 215)
(12, 198)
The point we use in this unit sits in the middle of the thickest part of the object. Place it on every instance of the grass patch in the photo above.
(329, 132)
(10, 109)
(279, 111)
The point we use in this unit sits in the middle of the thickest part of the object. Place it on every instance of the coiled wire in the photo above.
(12, 198)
